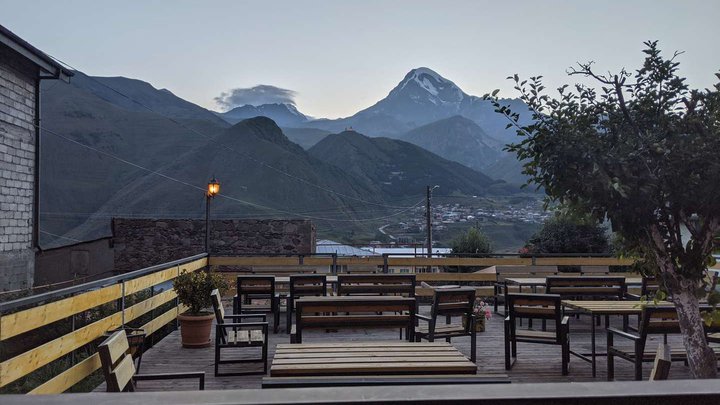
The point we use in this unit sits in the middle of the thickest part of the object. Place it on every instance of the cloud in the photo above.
(262, 94)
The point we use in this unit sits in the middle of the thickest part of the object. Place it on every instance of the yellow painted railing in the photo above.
(14, 323)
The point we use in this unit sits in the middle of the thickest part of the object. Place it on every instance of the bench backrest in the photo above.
(255, 286)
(594, 270)
(307, 285)
(283, 270)
(358, 269)
(354, 312)
(649, 286)
(504, 272)
(587, 286)
(219, 312)
(117, 363)
(664, 320)
(452, 302)
(534, 306)
(376, 284)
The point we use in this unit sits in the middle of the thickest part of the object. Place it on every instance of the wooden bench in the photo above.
(352, 312)
(376, 284)
(500, 287)
(366, 381)
(370, 359)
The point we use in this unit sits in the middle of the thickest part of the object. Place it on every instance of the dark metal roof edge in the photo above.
(34, 55)
(76, 244)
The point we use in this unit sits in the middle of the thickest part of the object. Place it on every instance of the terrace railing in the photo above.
(24, 316)
(458, 263)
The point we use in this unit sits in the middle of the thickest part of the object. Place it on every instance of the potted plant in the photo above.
(193, 290)
(481, 312)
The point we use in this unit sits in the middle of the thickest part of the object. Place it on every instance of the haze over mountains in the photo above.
(425, 109)
(169, 145)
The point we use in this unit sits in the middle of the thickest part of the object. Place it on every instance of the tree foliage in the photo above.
(472, 242)
(565, 235)
(639, 150)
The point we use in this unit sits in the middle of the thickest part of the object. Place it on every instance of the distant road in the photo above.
(382, 231)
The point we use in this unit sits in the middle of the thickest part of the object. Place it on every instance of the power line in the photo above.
(262, 163)
(60, 236)
(155, 172)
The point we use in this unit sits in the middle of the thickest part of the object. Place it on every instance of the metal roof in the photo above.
(407, 251)
(51, 68)
(329, 246)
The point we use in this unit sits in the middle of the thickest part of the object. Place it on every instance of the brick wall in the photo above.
(145, 242)
(17, 163)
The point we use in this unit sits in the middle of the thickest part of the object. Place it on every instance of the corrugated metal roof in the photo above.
(329, 246)
(407, 251)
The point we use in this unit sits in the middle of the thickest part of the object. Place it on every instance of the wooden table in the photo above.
(535, 282)
(369, 358)
(600, 308)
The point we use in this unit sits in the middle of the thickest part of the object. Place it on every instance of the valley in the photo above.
(144, 152)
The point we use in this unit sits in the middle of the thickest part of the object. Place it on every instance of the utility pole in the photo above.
(428, 218)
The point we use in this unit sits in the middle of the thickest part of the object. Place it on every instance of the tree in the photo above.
(565, 235)
(640, 151)
(472, 242)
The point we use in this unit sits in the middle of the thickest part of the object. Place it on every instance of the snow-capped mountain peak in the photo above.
(440, 90)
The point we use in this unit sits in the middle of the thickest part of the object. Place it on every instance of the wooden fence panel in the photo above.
(29, 319)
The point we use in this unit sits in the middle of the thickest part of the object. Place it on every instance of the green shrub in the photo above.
(193, 289)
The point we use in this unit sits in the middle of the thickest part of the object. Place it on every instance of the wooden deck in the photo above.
(535, 362)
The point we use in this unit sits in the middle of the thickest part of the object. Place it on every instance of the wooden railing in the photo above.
(22, 317)
(26, 315)
(398, 261)
(330, 263)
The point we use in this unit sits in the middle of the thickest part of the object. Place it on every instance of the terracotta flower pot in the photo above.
(195, 330)
(479, 323)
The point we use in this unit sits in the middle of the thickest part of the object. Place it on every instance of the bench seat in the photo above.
(345, 381)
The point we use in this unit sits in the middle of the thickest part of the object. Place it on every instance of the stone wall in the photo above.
(145, 242)
(17, 165)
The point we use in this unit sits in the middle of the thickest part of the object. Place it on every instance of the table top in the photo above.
(540, 281)
(611, 307)
(369, 358)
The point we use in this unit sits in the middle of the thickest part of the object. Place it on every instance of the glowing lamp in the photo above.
(213, 188)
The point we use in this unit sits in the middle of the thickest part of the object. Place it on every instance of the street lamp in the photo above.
(213, 189)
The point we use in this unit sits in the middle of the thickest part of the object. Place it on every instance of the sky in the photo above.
(335, 58)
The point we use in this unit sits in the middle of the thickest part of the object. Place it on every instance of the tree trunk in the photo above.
(701, 358)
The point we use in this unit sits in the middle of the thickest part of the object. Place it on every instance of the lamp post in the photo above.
(213, 189)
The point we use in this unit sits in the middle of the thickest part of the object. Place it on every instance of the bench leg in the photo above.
(508, 364)
(265, 353)
(473, 346)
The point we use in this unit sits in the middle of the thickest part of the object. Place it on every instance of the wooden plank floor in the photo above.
(535, 362)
